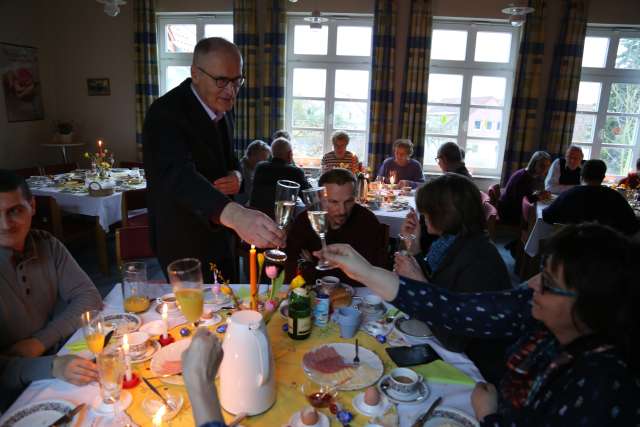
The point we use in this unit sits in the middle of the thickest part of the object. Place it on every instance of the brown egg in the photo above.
(372, 396)
(309, 416)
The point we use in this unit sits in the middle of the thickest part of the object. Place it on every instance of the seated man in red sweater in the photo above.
(348, 223)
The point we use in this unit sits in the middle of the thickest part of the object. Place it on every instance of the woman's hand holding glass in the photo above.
(411, 225)
(407, 266)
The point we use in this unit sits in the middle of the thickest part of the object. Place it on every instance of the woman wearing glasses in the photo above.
(574, 362)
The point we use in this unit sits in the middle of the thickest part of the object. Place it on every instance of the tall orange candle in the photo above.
(253, 277)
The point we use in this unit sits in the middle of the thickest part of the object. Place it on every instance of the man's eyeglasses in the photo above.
(547, 284)
(222, 82)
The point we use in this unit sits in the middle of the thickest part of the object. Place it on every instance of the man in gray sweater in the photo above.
(43, 292)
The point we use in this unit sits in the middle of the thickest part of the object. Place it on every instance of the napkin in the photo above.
(77, 346)
(442, 372)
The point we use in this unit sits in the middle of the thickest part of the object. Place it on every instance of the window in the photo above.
(177, 37)
(608, 111)
(328, 71)
(470, 87)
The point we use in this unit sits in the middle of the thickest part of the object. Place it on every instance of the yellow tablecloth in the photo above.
(289, 375)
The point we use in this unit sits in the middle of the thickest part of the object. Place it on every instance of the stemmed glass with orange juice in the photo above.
(94, 330)
(185, 276)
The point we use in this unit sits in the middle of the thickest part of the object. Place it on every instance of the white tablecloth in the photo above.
(455, 396)
(394, 219)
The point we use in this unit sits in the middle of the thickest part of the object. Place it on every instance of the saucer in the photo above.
(418, 396)
(151, 350)
(170, 311)
(295, 420)
(371, 411)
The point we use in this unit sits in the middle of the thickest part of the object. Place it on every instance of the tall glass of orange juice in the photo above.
(134, 287)
(94, 330)
(185, 276)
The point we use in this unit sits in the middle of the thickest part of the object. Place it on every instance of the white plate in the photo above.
(399, 327)
(295, 420)
(169, 353)
(39, 414)
(152, 348)
(123, 323)
(418, 396)
(451, 417)
(371, 411)
(366, 374)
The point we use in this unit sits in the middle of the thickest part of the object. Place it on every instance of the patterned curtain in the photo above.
(382, 65)
(414, 95)
(245, 36)
(146, 64)
(273, 68)
(521, 141)
(560, 110)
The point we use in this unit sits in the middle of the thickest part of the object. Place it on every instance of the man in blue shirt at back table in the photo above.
(592, 202)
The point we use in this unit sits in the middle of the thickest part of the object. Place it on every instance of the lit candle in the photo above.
(253, 278)
(100, 146)
(127, 360)
(165, 321)
(157, 418)
(392, 179)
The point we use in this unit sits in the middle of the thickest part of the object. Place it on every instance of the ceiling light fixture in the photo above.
(316, 20)
(112, 7)
(517, 14)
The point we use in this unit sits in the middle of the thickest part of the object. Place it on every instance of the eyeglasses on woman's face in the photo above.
(549, 285)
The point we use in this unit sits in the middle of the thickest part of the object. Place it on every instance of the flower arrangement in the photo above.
(102, 160)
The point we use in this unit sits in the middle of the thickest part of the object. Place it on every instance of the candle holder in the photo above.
(165, 341)
(134, 381)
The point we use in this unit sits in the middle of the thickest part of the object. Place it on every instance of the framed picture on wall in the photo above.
(21, 82)
(98, 87)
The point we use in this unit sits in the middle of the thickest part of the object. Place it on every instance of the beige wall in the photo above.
(76, 40)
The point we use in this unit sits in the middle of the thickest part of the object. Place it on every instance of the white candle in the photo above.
(157, 418)
(127, 360)
(165, 321)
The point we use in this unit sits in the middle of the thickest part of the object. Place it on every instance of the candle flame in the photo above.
(100, 142)
(157, 418)
(253, 247)
(392, 179)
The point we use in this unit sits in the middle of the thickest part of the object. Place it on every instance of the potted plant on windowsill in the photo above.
(64, 132)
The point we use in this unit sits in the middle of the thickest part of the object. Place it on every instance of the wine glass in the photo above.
(93, 328)
(185, 276)
(314, 198)
(285, 203)
(407, 240)
(111, 369)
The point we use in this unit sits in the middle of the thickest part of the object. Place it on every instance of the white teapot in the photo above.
(247, 371)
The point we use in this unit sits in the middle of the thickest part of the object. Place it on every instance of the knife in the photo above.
(424, 417)
(67, 417)
(157, 393)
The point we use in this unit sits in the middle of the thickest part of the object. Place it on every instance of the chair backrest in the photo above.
(132, 200)
(48, 216)
(490, 214)
(528, 215)
(59, 168)
(131, 165)
(133, 243)
(494, 194)
(27, 172)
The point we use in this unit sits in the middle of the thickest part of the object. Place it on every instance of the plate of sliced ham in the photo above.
(167, 361)
(332, 364)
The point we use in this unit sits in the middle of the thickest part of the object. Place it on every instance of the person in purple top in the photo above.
(407, 171)
(527, 182)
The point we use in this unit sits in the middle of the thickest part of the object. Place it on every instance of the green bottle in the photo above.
(299, 314)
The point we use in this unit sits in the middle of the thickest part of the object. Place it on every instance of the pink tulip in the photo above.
(272, 271)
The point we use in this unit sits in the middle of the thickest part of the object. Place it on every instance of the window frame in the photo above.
(182, 59)
(468, 69)
(606, 76)
(329, 62)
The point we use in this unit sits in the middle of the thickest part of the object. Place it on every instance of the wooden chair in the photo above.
(132, 244)
(131, 165)
(59, 168)
(47, 216)
(134, 200)
(28, 172)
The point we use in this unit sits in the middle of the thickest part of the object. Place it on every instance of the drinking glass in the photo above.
(185, 276)
(111, 369)
(134, 287)
(315, 200)
(407, 241)
(94, 331)
(285, 203)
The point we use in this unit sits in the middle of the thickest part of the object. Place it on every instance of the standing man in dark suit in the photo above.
(191, 169)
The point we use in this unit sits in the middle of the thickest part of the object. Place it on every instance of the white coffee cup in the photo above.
(328, 282)
(170, 300)
(138, 343)
(404, 380)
